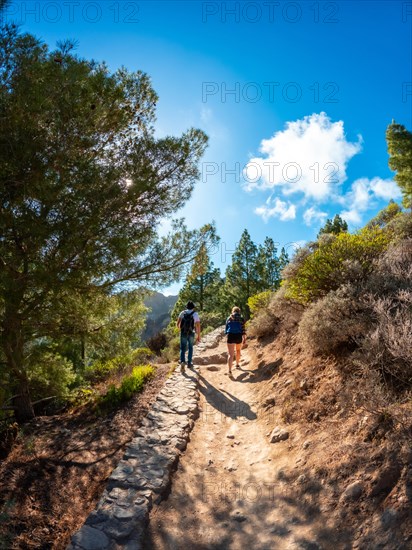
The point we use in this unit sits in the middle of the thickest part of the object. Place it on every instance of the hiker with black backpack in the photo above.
(189, 324)
(236, 337)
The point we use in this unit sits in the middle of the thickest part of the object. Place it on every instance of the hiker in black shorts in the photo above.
(236, 337)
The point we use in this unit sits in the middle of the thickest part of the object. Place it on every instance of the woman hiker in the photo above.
(236, 336)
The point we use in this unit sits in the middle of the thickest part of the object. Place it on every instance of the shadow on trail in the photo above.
(224, 402)
(264, 372)
(236, 512)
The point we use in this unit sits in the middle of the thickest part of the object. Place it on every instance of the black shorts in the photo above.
(234, 338)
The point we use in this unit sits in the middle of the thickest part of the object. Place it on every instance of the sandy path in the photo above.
(228, 491)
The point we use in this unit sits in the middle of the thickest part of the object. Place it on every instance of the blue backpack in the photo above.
(234, 324)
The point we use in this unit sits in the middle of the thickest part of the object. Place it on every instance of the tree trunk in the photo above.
(13, 350)
(83, 350)
(24, 408)
(201, 292)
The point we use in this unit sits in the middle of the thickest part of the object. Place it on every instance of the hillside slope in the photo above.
(159, 315)
(349, 455)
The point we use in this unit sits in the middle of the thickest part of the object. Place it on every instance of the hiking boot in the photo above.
(182, 366)
(190, 365)
(237, 367)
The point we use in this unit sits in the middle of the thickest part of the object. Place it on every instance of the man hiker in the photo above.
(189, 324)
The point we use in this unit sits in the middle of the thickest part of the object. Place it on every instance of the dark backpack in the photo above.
(187, 324)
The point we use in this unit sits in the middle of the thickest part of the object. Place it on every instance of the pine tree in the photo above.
(84, 183)
(201, 285)
(283, 259)
(242, 276)
(268, 266)
(335, 226)
(399, 141)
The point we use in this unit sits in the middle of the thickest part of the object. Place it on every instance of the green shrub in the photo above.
(280, 310)
(211, 319)
(259, 301)
(171, 352)
(50, 374)
(81, 396)
(101, 370)
(385, 216)
(337, 260)
(129, 386)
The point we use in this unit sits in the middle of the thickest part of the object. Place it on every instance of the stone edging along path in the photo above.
(143, 475)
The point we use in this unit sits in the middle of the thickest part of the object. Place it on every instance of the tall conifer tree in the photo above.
(399, 141)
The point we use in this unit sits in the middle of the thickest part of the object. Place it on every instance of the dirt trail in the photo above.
(229, 491)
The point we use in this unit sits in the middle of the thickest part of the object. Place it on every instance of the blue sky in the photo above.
(295, 97)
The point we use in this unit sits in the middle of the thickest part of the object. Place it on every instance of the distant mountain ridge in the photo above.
(159, 315)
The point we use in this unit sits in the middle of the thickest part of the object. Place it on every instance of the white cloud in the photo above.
(312, 215)
(310, 156)
(282, 210)
(385, 189)
(363, 193)
(359, 196)
(352, 216)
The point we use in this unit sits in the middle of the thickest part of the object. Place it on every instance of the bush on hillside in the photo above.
(129, 386)
(50, 374)
(337, 260)
(387, 347)
(280, 305)
(401, 226)
(101, 370)
(335, 321)
(385, 216)
(302, 253)
(393, 271)
(262, 325)
(171, 351)
(279, 310)
(157, 342)
(259, 301)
